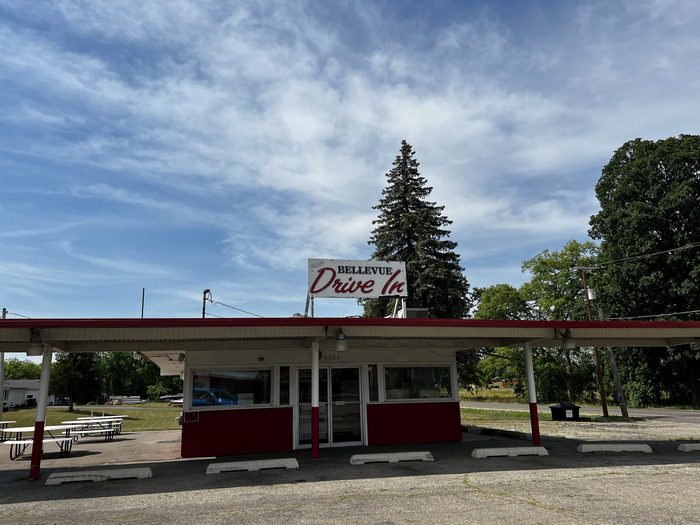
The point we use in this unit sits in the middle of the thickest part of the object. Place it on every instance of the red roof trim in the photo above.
(330, 321)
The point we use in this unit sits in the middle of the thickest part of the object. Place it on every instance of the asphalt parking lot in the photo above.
(564, 487)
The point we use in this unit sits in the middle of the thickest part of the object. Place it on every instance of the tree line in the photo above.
(643, 260)
(94, 377)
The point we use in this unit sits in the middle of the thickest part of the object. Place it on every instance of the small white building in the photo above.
(21, 392)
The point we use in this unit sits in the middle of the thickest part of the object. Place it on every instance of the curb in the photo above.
(614, 447)
(509, 452)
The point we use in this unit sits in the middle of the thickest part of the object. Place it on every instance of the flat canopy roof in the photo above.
(181, 334)
(164, 340)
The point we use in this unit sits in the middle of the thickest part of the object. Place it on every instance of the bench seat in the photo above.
(108, 432)
(30, 441)
(19, 446)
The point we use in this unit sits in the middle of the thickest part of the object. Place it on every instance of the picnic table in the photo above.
(5, 424)
(106, 426)
(103, 417)
(18, 442)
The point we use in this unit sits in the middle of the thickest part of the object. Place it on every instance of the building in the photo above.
(22, 392)
(279, 384)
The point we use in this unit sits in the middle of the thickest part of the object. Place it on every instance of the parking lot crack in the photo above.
(516, 499)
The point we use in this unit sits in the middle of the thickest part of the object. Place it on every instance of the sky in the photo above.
(176, 146)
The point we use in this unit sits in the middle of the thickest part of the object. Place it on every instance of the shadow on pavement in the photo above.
(172, 475)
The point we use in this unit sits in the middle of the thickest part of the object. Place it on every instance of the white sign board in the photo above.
(362, 279)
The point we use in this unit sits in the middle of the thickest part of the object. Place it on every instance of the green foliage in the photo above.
(122, 375)
(467, 371)
(555, 288)
(502, 301)
(413, 230)
(75, 376)
(157, 390)
(505, 363)
(22, 369)
(649, 194)
(565, 375)
(553, 293)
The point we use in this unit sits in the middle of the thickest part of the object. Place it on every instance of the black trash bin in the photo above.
(564, 411)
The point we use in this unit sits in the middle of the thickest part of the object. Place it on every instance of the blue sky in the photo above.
(183, 145)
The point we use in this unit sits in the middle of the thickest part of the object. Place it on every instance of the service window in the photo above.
(417, 382)
(232, 387)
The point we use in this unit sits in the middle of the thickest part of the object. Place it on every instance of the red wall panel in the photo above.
(224, 432)
(402, 423)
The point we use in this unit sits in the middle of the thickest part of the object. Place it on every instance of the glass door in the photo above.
(340, 406)
(346, 409)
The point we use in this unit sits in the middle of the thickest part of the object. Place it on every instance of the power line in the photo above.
(638, 257)
(18, 315)
(234, 308)
(651, 316)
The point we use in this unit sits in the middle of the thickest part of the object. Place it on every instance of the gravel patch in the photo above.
(650, 429)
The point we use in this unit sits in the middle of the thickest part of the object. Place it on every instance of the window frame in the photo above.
(274, 387)
(452, 367)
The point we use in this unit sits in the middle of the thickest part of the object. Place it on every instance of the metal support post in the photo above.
(40, 420)
(315, 400)
(532, 398)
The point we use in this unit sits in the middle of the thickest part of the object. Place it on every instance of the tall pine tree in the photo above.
(413, 230)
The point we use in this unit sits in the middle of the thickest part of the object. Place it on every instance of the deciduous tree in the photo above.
(121, 374)
(75, 376)
(22, 369)
(649, 196)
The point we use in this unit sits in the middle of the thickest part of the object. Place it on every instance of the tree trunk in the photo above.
(696, 394)
(569, 375)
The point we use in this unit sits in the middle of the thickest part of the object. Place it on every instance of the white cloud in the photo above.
(117, 266)
(34, 276)
(269, 107)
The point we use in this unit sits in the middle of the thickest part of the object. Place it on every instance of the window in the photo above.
(232, 387)
(418, 382)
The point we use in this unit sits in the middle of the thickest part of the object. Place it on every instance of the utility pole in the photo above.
(204, 302)
(596, 352)
(616, 376)
(621, 399)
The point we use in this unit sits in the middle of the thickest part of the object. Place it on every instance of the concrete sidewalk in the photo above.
(126, 448)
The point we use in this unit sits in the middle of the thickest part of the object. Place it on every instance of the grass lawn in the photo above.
(146, 417)
(495, 395)
(476, 416)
